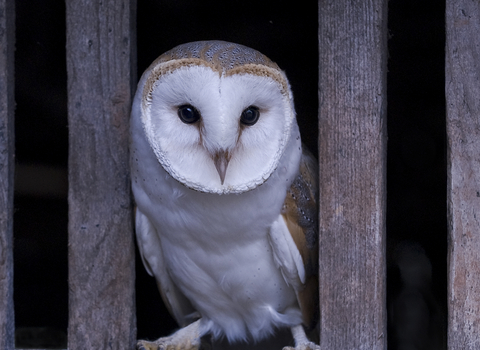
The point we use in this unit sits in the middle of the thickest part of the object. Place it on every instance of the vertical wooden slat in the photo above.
(462, 80)
(100, 65)
(7, 107)
(352, 159)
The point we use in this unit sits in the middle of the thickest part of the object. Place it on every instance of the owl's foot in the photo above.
(164, 344)
(187, 338)
(301, 340)
(303, 346)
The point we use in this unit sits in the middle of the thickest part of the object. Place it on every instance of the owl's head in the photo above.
(217, 115)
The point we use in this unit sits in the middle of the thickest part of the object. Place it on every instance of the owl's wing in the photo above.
(152, 256)
(294, 238)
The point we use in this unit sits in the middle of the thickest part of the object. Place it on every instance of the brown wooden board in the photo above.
(7, 163)
(462, 80)
(352, 162)
(100, 66)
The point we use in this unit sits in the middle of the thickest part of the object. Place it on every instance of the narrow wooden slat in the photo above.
(352, 159)
(7, 107)
(462, 79)
(100, 65)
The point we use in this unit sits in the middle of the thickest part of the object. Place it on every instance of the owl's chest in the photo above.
(208, 220)
(220, 246)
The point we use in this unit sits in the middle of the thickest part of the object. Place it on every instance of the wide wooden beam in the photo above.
(7, 163)
(352, 160)
(462, 80)
(100, 65)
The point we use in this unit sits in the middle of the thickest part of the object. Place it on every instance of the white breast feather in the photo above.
(286, 254)
(154, 262)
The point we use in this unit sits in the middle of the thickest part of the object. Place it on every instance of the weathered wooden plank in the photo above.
(352, 159)
(462, 88)
(7, 107)
(100, 65)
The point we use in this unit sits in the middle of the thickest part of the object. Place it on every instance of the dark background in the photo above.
(286, 31)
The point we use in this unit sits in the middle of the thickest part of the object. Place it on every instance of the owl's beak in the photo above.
(221, 159)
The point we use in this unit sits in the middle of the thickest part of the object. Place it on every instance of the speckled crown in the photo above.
(221, 55)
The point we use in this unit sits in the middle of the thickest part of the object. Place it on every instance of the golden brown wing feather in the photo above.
(300, 212)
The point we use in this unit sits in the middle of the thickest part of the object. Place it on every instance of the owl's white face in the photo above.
(216, 130)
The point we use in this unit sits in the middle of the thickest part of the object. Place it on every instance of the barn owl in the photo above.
(226, 198)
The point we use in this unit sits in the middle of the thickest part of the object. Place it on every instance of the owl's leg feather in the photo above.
(186, 338)
(301, 340)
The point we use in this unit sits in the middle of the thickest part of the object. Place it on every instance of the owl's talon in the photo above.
(301, 340)
(166, 343)
(186, 338)
(146, 345)
(303, 346)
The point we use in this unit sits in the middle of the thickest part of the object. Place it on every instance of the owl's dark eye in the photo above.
(188, 114)
(250, 116)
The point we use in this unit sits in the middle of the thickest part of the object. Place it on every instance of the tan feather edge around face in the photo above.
(164, 68)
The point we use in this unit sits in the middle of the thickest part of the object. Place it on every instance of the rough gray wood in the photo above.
(352, 159)
(462, 80)
(100, 65)
(7, 163)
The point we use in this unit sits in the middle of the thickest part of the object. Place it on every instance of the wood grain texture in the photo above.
(100, 65)
(7, 163)
(352, 161)
(462, 80)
